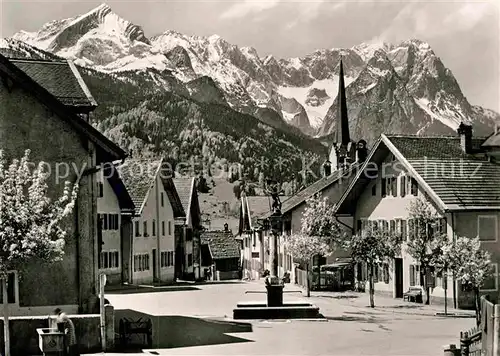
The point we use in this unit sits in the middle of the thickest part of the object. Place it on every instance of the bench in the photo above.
(129, 327)
(414, 294)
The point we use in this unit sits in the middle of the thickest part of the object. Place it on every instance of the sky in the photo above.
(465, 35)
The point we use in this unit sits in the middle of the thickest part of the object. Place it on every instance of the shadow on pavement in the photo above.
(136, 290)
(339, 296)
(173, 331)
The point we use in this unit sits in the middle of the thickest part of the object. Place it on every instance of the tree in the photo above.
(470, 265)
(320, 233)
(373, 246)
(319, 220)
(426, 240)
(30, 222)
(304, 248)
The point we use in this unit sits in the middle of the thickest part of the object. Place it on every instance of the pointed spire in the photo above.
(343, 137)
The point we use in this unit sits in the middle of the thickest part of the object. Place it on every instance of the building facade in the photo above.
(157, 212)
(32, 109)
(115, 210)
(189, 242)
(456, 177)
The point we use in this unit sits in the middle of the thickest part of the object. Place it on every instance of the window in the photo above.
(167, 259)
(491, 281)
(169, 228)
(137, 232)
(163, 228)
(404, 228)
(109, 259)
(141, 262)
(414, 275)
(161, 197)
(145, 227)
(411, 229)
(374, 189)
(100, 189)
(403, 185)
(413, 187)
(392, 227)
(189, 235)
(153, 229)
(109, 221)
(190, 259)
(359, 226)
(11, 288)
(383, 186)
(394, 186)
(487, 228)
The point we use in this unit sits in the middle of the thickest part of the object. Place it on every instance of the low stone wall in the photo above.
(224, 276)
(24, 337)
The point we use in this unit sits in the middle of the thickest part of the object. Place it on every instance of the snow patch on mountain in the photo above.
(449, 117)
(315, 113)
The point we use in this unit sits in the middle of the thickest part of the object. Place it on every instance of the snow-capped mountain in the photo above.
(403, 88)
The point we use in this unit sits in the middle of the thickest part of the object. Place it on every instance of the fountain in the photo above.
(275, 307)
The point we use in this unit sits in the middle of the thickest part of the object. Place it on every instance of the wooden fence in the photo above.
(483, 340)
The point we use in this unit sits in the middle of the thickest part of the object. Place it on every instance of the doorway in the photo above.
(398, 277)
(155, 270)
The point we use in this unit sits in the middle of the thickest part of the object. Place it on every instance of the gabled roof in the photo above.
(452, 179)
(18, 76)
(308, 192)
(222, 244)
(60, 78)
(251, 208)
(139, 178)
(186, 189)
(124, 199)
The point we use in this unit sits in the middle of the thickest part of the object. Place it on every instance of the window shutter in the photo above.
(392, 227)
(411, 229)
(412, 275)
(444, 226)
(403, 186)
(383, 188)
(359, 226)
(414, 187)
(394, 186)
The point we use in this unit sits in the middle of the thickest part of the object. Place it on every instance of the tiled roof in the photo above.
(493, 140)
(460, 180)
(222, 244)
(138, 177)
(313, 189)
(184, 188)
(108, 150)
(59, 79)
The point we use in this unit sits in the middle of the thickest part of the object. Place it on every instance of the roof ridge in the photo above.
(35, 60)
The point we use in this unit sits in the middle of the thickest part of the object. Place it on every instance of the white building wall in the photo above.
(108, 204)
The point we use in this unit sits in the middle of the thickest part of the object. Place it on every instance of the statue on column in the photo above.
(274, 190)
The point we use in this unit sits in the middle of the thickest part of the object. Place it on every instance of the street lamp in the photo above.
(274, 285)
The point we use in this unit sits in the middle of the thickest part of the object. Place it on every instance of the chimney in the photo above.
(327, 169)
(361, 151)
(465, 133)
(226, 227)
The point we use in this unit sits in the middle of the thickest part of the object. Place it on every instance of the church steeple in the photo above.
(343, 137)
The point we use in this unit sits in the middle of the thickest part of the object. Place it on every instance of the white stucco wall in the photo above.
(157, 241)
(108, 204)
(390, 208)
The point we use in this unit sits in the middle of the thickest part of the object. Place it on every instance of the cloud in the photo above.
(248, 7)
(310, 10)
(431, 20)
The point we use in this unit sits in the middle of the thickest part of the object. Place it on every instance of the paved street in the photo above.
(352, 328)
